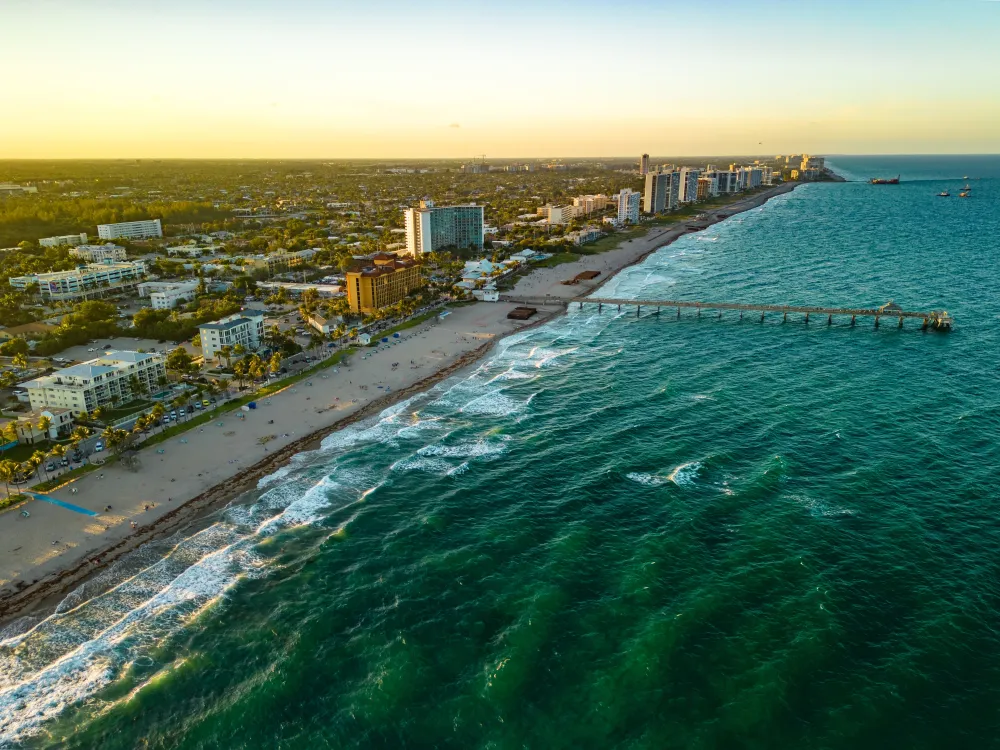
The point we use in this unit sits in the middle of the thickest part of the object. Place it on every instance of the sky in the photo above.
(508, 79)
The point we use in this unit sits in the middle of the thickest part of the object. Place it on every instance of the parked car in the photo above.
(197, 405)
(64, 461)
(50, 466)
(182, 412)
(205, 402)
(99, 446)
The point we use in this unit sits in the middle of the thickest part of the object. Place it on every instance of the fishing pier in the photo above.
(938, 320)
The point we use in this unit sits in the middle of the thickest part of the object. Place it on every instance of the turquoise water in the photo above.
(615, 532)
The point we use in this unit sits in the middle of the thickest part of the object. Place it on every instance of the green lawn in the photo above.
(23, 452)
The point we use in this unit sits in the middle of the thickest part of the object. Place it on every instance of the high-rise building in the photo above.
(431, 227)
(644, 164)
(688, 184)
(382, 281)
(628, 205)
(708, 185)
(657, 193)
(64, 239)
(130, 230)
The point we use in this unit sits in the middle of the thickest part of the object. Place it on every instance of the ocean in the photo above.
(615, 531)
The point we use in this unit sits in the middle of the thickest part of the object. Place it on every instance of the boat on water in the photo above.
(944, 194)
(967, 187)
(964, 194)
(884, 180)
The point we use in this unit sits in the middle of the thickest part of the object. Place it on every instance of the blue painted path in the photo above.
(61, 504)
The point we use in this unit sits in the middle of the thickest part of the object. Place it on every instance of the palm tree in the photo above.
(38, 460)
(8, 470)
(96, 414)
(156, 413)
(274, 364)
(239, 350)
(44, 423)
(240, 371)
(108, 434)
(20, 361)
(83, 416)
(10, 431)
(58, 452)
(227, 352)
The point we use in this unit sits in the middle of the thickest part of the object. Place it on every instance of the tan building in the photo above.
(380, 282)
(60, 425)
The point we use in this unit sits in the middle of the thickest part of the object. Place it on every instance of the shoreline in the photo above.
(42, 596)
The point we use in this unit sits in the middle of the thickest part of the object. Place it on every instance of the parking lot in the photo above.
(88, 351)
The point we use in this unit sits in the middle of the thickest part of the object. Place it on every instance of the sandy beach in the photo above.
(48, 554)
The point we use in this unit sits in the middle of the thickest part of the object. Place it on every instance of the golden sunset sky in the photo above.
(314, 79)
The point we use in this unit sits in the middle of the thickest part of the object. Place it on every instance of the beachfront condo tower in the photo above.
(662, 191)
(688, 184)
(381, 281)
(431, 227)
(628, 206)
(644, 164)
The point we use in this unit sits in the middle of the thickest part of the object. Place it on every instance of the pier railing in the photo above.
(937, 319)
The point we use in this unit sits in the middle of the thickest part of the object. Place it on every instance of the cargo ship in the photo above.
(884, 180)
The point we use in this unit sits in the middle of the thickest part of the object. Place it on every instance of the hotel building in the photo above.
(130, 230)
(99, 382)
(246, 328)
(380, 282)
(431, 227)
(81, 283)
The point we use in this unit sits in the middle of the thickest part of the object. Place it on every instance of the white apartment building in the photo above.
(246, 328)
(130, 230)
(628, 205)
(100, 382)
(431, 227)
(81, 283)
(688, 192)
(108, 253)
(64, 239)
(164, 295)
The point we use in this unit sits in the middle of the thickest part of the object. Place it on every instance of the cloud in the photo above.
(454, 125)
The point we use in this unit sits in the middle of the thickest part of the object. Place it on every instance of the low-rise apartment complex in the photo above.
(130, 230)
(89, 281)
(165, 295)
(108, 253)
(112, 379)
(64, 239)
(380, 282)
(245, 328)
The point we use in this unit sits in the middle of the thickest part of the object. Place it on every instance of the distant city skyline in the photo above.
(443, 79)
